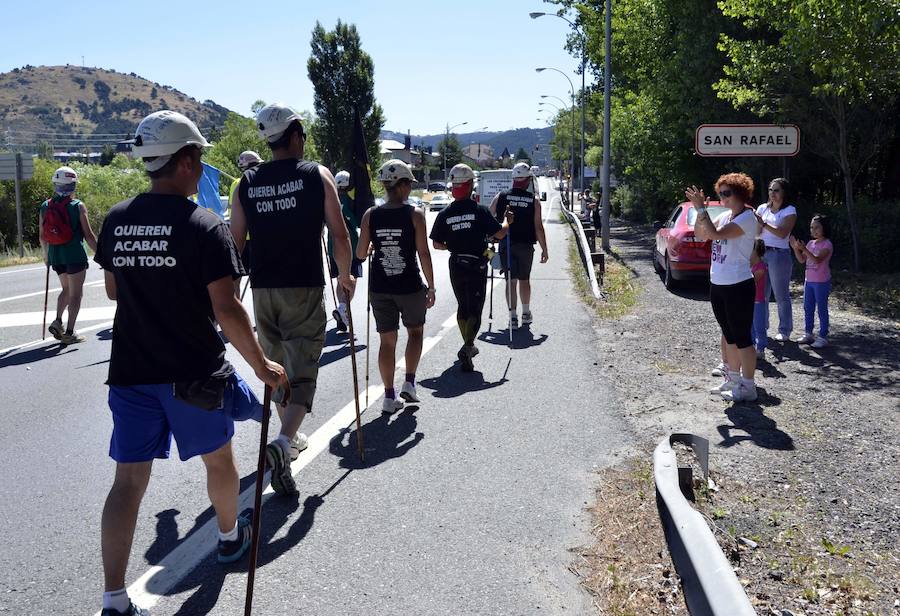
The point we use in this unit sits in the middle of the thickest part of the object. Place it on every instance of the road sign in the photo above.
(8, 167)
(747, 140)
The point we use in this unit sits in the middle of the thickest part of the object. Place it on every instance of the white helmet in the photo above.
(461, 174)
(342, 179)
(163, 133)
(521, 170)
(247, 159)
(272, 120)
(395, 170)
(64, 176)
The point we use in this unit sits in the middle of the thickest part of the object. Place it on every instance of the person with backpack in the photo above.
(396, 233)
(64, 228)
(342, 181)
(464, 228)
(169, 265)
(526, 229)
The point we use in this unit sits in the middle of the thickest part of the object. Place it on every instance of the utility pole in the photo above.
(606, 96)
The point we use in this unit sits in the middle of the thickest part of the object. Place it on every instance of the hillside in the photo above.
(73, 99)
(525, 138)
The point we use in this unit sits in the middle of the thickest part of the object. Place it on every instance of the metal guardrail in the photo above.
(710, 586)
(585, 251)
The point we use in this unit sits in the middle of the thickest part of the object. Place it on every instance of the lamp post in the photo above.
(483, 128)
(583, 67)
(607, 86)
(572, 94)
(447, 142)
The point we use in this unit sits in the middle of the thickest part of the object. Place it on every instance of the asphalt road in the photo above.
(467, 504)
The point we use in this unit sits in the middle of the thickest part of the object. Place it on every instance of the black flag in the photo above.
(360, 173)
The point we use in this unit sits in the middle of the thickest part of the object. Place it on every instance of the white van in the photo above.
(493, 181)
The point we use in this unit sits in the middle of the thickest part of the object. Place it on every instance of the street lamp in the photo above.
(535, 15)
(572, 94)
(447, 142)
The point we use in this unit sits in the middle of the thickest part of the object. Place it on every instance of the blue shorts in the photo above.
(145, 417)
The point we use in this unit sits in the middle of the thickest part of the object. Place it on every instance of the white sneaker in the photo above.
(806, 339)
(408, 392)
(527, 318)
(779, 337)
(513, 321)
(820, 343)
(741, 393)
(726, 385)
(391, 406)
(298, 444)
(720, 370)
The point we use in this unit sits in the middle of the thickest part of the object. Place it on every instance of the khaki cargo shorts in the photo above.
(290, 325)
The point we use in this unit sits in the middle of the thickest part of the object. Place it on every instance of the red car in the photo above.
(678, 255)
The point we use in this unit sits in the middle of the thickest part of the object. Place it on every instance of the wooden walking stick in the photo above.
(257, 499)
(330, 274)
(359, 436)
(46, 295)
(368, 326)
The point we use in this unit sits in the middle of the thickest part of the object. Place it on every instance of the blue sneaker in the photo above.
(132, 610)
(231, 551)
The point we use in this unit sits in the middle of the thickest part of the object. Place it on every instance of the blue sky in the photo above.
(435, 62)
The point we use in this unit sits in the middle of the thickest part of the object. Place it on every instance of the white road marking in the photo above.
(27, 269)
(149, 588)
(26, 345)
(18, 319)
(96, 283)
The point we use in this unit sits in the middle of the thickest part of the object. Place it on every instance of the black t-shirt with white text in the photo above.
(163, 251)
(522, 229)
(465, 227)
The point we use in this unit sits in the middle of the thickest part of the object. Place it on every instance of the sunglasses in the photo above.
(724, 194)
(775, 190)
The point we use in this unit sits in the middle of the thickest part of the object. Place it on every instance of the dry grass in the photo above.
(618, 285)
(11, 257)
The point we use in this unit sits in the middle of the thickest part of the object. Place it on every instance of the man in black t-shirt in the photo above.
(284, 203)
(464, 228)
(517, 253)
(170, 266)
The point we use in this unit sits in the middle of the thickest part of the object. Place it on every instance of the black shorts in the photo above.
(733, 306)
(356, 268)
(520, 264)
(70, 268)
(389, 307)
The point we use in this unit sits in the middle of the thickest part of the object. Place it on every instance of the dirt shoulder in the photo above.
(808, 499)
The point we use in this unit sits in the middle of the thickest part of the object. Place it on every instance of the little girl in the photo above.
(817, 255)
(761, 307)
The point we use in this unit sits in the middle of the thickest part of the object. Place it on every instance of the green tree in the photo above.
(831, 64)
(342, 75)
(450, 151)
(522, 155)
(238, 134)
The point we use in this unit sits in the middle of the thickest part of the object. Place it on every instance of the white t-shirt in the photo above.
(731, 258)
(774, 218)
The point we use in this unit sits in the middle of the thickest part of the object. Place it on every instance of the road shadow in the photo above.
(749, 418)
(522, 338)
(329, 357)
(32, 356)
(105, 334)
(385, 438)
(453, 382)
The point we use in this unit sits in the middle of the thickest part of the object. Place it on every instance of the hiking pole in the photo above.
(491, 311)
(359, 436)
(368, 325)
(509, 290)
(330, 274)
(257, 499)
(46, 295)
(246, 284)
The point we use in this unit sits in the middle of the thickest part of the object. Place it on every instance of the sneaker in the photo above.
(231, 551)
(391, 406)
(741, 393)
(56, 329)
(408, 392)
(720, 370)
(298, 444)
(278, 460)
(132, 610)
(513, 322)
(725, 385)
(527, 318)
(820, 343)
(465, 357)
(779, 337)
(72, 338)
(806, 338)
(339, 320)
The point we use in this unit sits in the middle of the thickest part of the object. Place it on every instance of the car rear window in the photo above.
(714, 212)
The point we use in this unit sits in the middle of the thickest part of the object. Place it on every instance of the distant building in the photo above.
(480, 153)
(394, 149)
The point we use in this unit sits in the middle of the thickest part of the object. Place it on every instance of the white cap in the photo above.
(461, 174)
(272, 120)
(395, 170)
(64, 176)
(163, 133)
(521, 170)
(342, 179)
(247, 159)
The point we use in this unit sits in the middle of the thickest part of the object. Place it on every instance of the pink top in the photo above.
(818, 271)
(761, 281)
